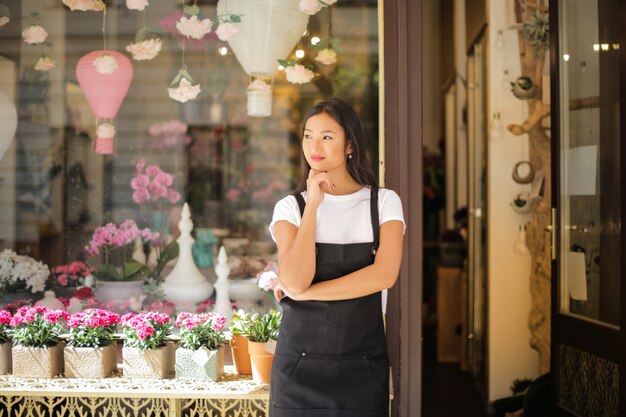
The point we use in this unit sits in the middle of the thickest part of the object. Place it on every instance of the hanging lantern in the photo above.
(268, 31)
(105, 88)
(8, 123)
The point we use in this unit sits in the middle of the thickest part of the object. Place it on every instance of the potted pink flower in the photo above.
(5, 342)
(146, 351)
(37, 351)
(91, 351)
(65, 278)
(200, 354)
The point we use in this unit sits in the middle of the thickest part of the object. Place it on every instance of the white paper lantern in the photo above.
(268, 31)
(8, 123)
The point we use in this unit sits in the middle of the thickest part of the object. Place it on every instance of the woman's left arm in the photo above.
(380, 275)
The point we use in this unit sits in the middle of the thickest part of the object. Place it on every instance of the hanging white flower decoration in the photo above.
(136, 4)
(105, 64)
(310, 7)
(194, 28)
(85, 5)
(34, 34)
(4, 20)
(299, 74)
(326, 56)
(146, 50)
(44, 63)
(105, 130)
(185, 91)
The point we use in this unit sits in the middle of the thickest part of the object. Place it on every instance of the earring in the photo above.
(349, 156)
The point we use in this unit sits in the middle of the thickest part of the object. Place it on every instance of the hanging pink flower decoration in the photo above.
(194, 28)
(136, 4)
(105, 64)
(105, 130)
(4, 20)
(226, 31)
(310, 7)
(185, 91)
(104, 92)
(34, 34)
(146, 50)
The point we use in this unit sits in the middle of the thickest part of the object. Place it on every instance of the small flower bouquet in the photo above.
(19, 272)
(263, 330)
(37, 352)
(146, 354)
(91, 352)
(201, 337)
(71, 275)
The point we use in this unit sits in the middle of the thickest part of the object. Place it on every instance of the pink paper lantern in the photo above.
(104, 92)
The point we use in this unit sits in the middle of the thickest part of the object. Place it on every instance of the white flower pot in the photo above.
(245, 290)
(149, 364)
(200, 364)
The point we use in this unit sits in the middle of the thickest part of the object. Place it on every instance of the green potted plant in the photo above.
(37, 352)
(200, 354)
(263, 332)
(91, 351)
(146, 352)
(240, 329)
(5, 342)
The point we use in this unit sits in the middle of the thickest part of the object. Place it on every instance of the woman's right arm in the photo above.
(296, 252)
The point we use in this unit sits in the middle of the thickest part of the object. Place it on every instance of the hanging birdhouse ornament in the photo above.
(268, 31)
(104, 76)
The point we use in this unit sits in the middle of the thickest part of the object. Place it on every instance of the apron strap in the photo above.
(301, 203)
(375, 221)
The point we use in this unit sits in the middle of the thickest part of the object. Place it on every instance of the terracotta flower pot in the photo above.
(262, 361)
(37, 362)
(5, 358)
(200, 364)
(149, 364)
(241, 357)
(87, 362)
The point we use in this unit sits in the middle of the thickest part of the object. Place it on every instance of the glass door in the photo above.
(586, 315)
(477, 163)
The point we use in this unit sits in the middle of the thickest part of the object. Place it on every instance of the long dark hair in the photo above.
(359, 165)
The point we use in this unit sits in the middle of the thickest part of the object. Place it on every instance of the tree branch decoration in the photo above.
(533, 44)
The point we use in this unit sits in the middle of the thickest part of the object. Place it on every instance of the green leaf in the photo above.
(192, 10)
(157, 31)
(235, 18)
(134, 269)
(283, 62)
(106, 273)
(48, 44)
(141, 34)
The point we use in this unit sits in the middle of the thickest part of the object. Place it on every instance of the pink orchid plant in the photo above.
(116, 245)
(37, 326)
(146, 331)
(201, 330)
(153, 185)
(92, 328)
(5, 322)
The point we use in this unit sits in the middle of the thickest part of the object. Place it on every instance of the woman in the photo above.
(339, 241)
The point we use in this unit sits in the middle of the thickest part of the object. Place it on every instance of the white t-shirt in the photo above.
(343, 218)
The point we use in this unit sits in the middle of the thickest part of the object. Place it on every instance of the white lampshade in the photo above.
(8, 123)
(268, 31)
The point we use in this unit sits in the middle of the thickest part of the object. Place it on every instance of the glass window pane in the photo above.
(590, 166)
(231, 168)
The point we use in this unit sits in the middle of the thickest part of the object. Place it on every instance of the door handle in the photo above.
(551, 228)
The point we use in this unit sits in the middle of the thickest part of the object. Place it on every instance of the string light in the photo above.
(315, 40)
(299, 54)
(565, 57)
(223, 50)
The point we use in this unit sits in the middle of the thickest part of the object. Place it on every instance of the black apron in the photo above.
(331, 358)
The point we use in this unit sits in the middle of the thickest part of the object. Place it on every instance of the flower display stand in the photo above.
(37, 362)
(87, 362)
(241, 356)
(200, 364)
(5, 358)
(149, 363)
(262, 361)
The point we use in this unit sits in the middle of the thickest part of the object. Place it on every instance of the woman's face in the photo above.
(324, 143)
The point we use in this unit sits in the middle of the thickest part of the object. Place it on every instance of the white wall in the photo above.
(510, 354)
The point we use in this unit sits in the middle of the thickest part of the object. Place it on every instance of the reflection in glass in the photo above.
(590, 182)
